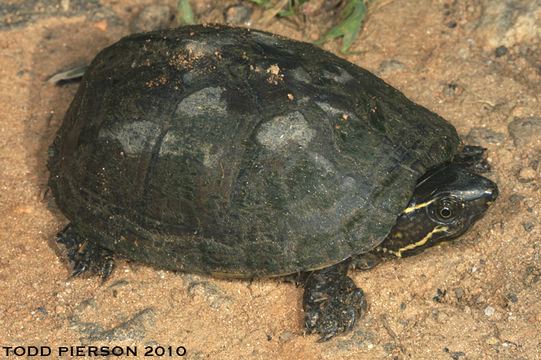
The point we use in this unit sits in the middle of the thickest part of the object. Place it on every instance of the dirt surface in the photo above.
(476, 65)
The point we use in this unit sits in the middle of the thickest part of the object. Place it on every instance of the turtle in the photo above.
(236, 152)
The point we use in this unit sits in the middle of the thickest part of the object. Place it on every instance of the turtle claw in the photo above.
(473, 157)
(332, 302)
(107, 268)
(78, 269)
(103, 269)
(86, 257)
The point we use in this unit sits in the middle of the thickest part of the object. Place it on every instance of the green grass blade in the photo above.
(354, 14)
(185, 13)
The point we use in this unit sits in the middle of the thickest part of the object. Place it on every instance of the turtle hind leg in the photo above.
(332, 302)
(85, 256)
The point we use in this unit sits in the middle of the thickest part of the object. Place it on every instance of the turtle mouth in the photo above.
(492, 193)
(476, 217)
(486, 199)
(479, 207)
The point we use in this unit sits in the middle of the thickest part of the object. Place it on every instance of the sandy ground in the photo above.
(477, 65)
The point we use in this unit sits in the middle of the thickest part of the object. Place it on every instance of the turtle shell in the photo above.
(229, 150)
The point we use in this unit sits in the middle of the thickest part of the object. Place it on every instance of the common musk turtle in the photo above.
(236, 152)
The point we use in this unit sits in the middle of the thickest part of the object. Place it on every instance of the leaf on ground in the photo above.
(353, 16)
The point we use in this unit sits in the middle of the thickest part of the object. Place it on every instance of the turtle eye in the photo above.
(446, 212)
(446, 209)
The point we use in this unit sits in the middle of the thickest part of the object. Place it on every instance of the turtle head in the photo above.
(446, 202)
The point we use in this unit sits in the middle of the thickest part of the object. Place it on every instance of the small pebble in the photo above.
(526, 174)
(489, 311)
(479, 135)
(525, 130)
(515, 198)
(501, 51)
(237, 14)
(286, 336)
(451, 24)
(42, 310)
(528, 226)
(153, 17)
(210, 293)
(513, 298)
(387, 67)
(442, 316)
(459, 293)
(463, 53)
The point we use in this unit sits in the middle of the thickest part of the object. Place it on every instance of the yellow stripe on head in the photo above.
(437, 229)
(418, 206)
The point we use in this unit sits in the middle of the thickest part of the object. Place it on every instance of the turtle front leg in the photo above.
(473, 157)
(332, 302)
(84, 255)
